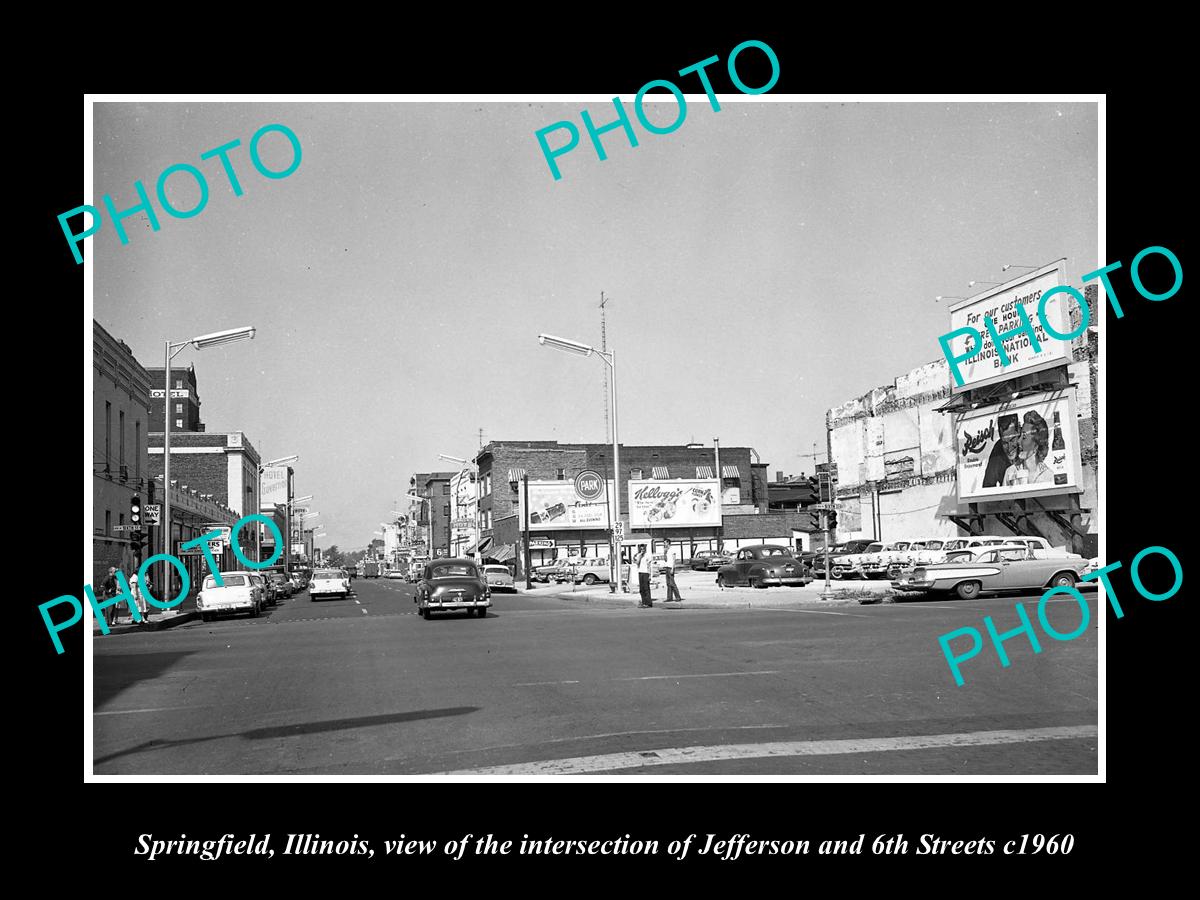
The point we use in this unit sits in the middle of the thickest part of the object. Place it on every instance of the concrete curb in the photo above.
(160, 624)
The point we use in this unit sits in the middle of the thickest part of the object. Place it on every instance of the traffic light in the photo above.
(815, 520)
(824, 488)
(832, 520)
(135, 512)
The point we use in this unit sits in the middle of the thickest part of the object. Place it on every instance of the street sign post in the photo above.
(151, 513)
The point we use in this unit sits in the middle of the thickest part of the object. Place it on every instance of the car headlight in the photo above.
(918, 574)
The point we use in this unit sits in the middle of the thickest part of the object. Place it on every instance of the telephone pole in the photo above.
(604, 348)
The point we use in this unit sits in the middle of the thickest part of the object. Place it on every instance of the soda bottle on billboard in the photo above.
(1058, 443)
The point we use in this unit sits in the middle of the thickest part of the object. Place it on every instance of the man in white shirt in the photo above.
(669, 571)
(644, 562)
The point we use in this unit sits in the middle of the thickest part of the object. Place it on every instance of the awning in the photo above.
(730, 472)
(483, 545)
(503, 553)
(661, 472)
(515, 475)
(704, 472)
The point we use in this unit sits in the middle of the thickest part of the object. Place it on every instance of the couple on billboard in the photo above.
(1019, 457)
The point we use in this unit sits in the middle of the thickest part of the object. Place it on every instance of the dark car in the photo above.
(817, 561)
(763, 565)
(453, 584)
(282, 584)
(706, 560)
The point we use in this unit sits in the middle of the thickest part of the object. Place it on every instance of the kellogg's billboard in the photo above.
(674, 503)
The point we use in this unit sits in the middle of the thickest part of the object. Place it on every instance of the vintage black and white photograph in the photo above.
(669, 436)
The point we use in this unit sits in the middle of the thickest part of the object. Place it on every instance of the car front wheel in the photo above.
(1063, 579)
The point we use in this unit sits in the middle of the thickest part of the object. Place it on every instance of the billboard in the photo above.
(677, 503)
(557, 505)
(1026, 448)
(1000, 305)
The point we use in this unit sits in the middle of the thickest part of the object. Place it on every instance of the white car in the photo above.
(329, 583)
(592, 570)
(395, 573)
(240, 591)
(499, 577)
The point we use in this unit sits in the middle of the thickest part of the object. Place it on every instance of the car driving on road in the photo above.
(453, 584)
(328, 583)
(499, 577)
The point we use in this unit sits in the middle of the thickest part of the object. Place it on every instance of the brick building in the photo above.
(185, 402)
(745, 518)
(432, 513)
(120, 466)
(219, 466)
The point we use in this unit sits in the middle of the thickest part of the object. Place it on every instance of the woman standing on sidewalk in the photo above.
(135, 591)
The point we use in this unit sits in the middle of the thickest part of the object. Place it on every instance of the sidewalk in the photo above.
(699, 591)
(156, 620)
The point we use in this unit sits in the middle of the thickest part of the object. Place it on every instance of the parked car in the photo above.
(1003, 567)
(544, 573)
(592, 571)
(240, 591)
(453, 584)
(396, 573)
(283, 587)
(566, 569)
(876, 563)
(499, 577)
(706, 560)
(298, 582)
(837, 553)
(763, 565)
(329, 583)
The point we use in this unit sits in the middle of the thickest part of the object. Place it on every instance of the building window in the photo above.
(178, 383)
(107, 434)
(121, 443)
(446, 489)
(562, 474)
(446, 510)
(179, 423)
(108, 521)
(635, 474)
(137, 450)
(121, 521)
(178, 407)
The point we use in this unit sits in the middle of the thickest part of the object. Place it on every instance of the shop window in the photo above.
(635, 474)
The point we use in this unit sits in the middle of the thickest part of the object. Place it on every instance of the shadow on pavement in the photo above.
(112, 675)
(301, 728)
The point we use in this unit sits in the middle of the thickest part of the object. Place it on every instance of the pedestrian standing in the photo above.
(645, 561)
(108, 587)
(137, 592)
(669, 571)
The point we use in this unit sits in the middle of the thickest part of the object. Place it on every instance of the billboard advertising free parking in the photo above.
(557, 505)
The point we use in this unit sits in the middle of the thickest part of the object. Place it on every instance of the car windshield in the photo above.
(874, 548)
(933, 545)
(325, 576)
(497, 570)
(774, 551)
(455, 570)
(230, 581)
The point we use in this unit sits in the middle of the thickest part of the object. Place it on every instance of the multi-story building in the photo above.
(185, 401)
(432, 511)
(120, 467)
(679, 493)
(463, 508)
(919, 459)
(224, 466)
(277, 493)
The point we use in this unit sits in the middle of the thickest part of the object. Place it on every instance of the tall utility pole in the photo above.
(603, 349)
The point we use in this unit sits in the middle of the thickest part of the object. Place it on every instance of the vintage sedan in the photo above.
(707, 560)
(453, 584)
(1004, 567)
(328, 583)
(499, 577)
(763, 565)
(239, 591)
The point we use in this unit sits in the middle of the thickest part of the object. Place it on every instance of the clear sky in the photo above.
(764, 263)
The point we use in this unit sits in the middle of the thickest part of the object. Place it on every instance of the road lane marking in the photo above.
(701, 675)
(126, 712)
(540, 683)
(638, 759)
(816, 612)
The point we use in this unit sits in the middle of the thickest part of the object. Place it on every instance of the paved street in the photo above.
(546, 685)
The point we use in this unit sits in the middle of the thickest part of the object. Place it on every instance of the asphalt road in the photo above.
(554, 686)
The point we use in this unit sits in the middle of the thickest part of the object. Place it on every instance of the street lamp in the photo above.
(1007, 266)
(475, 470)
(171, 350)
(973, 283)
(610, 359)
